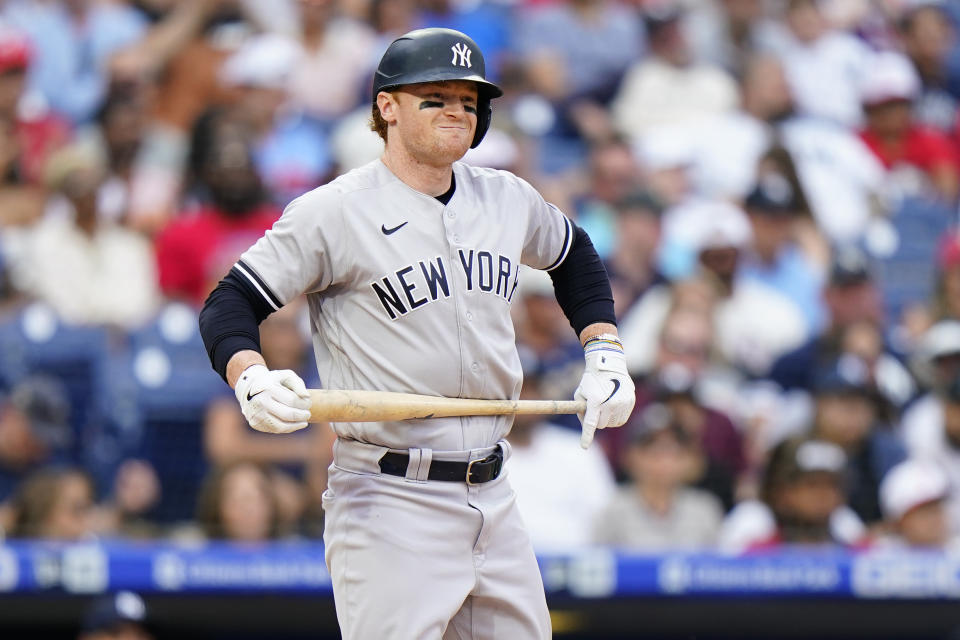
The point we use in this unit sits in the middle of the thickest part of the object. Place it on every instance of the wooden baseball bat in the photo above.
(332, 405)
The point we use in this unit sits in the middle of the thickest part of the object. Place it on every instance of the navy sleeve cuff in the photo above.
(230, 319)
(582, 286)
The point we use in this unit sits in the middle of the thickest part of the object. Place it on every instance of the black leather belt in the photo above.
(473, 472)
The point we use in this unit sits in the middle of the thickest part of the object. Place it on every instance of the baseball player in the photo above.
(410, 265)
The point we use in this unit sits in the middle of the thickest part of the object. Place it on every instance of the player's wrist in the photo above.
(603, 342)
(604, 352)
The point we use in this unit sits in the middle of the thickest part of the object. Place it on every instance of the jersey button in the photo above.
(469, 316)
(456, 237)
(451, 214)
(475, 366)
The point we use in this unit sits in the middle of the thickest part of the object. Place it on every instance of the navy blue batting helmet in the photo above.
(435, 55)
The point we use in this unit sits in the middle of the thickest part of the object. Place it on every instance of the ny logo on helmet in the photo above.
(461, 52)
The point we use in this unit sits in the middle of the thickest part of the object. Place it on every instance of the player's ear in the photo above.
(387, 103)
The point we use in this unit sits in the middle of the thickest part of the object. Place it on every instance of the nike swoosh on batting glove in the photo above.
(606, 387)
(273, 401)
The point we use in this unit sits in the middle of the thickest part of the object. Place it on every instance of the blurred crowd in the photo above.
(772, 184)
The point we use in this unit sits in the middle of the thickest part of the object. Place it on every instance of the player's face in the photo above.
(435, 121)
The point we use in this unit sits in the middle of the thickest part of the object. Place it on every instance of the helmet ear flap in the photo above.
(484, 115)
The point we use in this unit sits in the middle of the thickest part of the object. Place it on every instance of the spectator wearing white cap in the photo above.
(931, 432)
(913, 497)
(921, 160)
(803, 502)
(935, 362)
(754, 323)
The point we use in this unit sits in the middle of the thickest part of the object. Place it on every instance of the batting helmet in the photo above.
(435, 55)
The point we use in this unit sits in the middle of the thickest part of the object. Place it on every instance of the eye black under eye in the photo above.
(469, 108)
(431, 104)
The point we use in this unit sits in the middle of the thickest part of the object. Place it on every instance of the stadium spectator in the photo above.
(920, 160)
(631, 265)
(933, 435)
(775, 258)
(583, 489)
(913, 497)
(577, 49)
(571, 56)
(803, 502)
(73, 42)
(237, 503)
(54, 503)
(121, 123)
(935, 362)
(851, 295)
(823, 65)
(204, 242)
(86, 267)
(127, 512)
(754, 324)
(337, 48)
(725, 33)
(658, 511)
(34, 430)
(28, 134)
(928, 37)
(946, 302)
(686, 381)
(834, 174)
(669, 87)
(181, 60)
(117, 616)
(848, 413)
(290, 148)
(612, 175)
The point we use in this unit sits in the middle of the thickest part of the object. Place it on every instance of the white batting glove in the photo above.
(273, 401)
(606, 386)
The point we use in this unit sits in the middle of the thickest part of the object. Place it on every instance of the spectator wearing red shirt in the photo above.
(920, 158)
(201, 244)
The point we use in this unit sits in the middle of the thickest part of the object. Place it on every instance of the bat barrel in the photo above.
(333, 405)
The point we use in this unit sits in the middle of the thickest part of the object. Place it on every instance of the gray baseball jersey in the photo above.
(408, 294)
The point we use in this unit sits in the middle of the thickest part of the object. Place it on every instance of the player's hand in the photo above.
(273, 401)
(608, 390)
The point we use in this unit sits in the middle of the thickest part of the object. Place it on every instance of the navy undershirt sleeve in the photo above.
(230, 320)
(582, 286)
